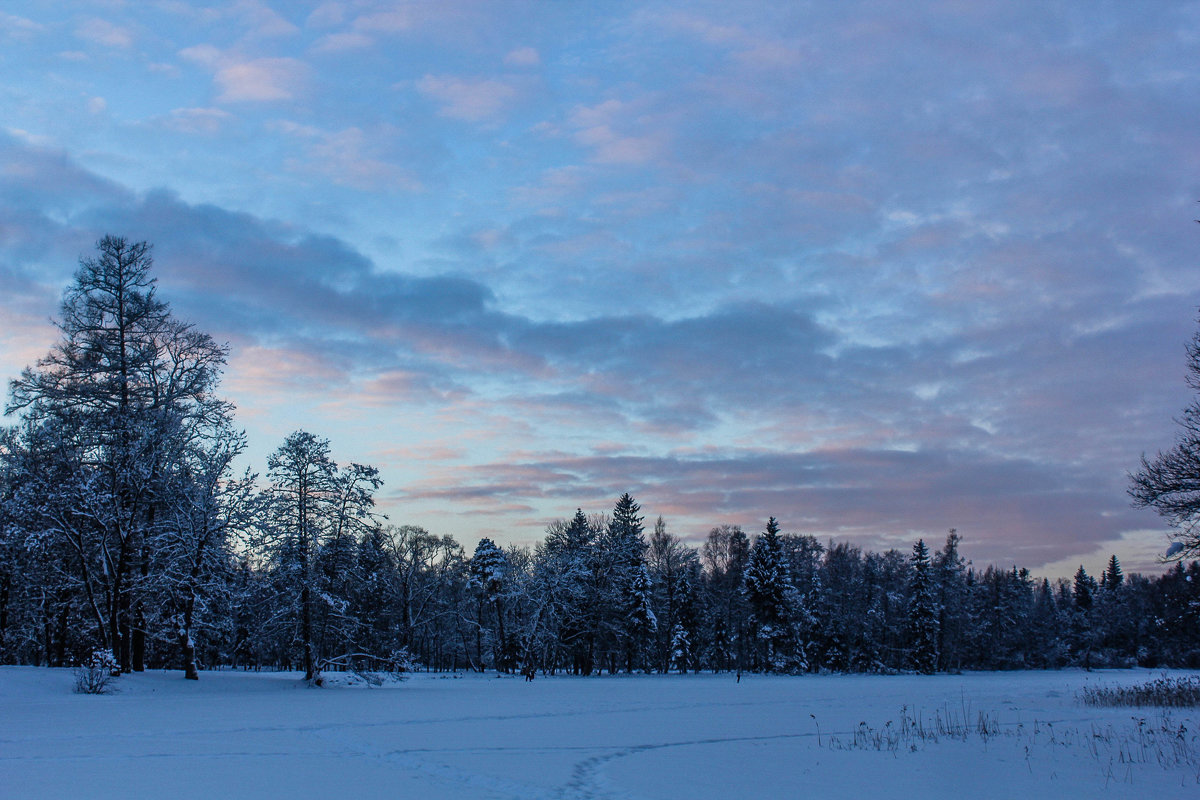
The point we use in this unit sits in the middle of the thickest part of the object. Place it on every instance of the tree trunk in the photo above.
(503, 661)
(310, 661)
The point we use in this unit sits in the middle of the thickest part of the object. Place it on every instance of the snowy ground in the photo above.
(437, 736)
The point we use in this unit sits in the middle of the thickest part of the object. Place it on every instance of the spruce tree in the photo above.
(766, 593)
(923, 612)
(641, 623)
(1082, 628)
(949, 569)
(1112, 578)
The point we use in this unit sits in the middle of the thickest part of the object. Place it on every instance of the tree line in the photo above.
(124, 527)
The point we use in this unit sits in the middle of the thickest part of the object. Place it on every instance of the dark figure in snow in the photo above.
(529, 672)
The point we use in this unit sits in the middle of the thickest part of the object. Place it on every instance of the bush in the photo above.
(95, 676)
(1164, 691)
(401, 662)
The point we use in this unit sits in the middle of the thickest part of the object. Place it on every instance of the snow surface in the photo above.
(235, 734)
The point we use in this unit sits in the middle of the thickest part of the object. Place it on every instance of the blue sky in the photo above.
(876, 269)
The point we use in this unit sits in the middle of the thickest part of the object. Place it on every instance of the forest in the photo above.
(124, 527)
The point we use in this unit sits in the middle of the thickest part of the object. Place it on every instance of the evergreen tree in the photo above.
(641, 624)
(488, 570)
(1084, 589)
(949, 571)
(1047, 649)
(766, 593)
(622, 556)
(923, 612)
(1082, 629)
(570, 578)
(1113, 578)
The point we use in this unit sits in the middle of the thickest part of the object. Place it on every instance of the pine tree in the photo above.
(622, 559)
(1084, 591)
(1044, 631)
(641, 623)
(949, 570)
(923, 612)
(1082, 625)
(766, 591)
(681, 648)
(1113, 578)
(570, 578)
(488, 570)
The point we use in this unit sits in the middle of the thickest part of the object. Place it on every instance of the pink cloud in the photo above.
(103, 32)
(602, 127)
(261, 80)
(342, 42)
(350, 157)
(467, 99)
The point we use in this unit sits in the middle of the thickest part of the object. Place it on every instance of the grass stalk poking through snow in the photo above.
(1164, 692)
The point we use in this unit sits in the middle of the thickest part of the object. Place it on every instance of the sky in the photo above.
(876, 269)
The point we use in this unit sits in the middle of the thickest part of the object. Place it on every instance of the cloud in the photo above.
(261, 80)
(604, 129)
(205, 121)
(384, 22)
(327, 15)
(261, 20)
(878, 499)
(15, 27)
(758, 259)
(100, 31)
(342, 42)
(523, 57)
(470, 99)
(350, 157)
(243, 80)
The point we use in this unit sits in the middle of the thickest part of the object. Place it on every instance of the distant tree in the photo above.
(1113, 578)
(312, 514)
(949, 574)
(1084, 589)
(923, 612)
(847, 611)
(570, 578)
(1045, 629)
(641, 622)
(725, 555)
(802, 560)
(488, 570)
(1170, 482)
(672, 566)
(622, 561)
(1083, 639)
(767, 596)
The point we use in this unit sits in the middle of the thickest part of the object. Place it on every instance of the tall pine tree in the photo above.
(923, 612)
(766, 592)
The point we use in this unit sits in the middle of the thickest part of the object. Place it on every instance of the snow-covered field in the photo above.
(236, 734)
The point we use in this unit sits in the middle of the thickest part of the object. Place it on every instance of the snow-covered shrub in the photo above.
(402, 661)
(95, 676)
